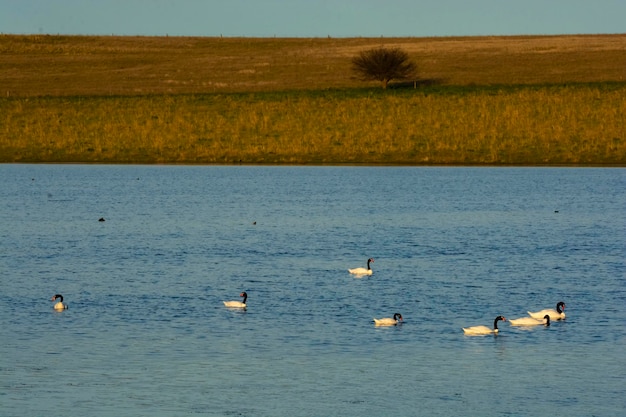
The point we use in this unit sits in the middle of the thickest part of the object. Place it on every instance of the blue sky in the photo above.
(312, 18)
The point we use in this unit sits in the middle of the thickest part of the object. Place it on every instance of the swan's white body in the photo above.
(480, 330)
(59, 305)
(237, 304)
(361, 270)
(388, 321)
(554, 315)
(529, 321)
(557, 314)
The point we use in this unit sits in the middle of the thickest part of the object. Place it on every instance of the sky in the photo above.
(312, 18)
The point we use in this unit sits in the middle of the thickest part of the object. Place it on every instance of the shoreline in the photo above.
(479, 101)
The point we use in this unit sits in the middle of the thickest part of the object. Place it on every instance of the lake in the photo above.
(146, 332)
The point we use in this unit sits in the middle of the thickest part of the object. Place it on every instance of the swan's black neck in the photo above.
(245, 297)
(59, 296)
(547, 317)
(368, 264)
(558, 307)
(397, 316)
(495, 322)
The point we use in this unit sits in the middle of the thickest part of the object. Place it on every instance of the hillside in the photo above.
(46, 65)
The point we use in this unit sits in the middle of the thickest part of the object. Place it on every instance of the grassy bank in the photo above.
(575, 124)
(481, 100)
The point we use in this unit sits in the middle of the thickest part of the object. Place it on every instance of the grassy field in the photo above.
(487, 100)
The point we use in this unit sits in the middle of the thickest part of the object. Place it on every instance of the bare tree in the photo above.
(383, 64)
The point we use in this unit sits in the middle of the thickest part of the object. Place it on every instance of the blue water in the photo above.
(146, 333)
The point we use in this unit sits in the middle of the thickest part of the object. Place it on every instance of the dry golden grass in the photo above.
(582, 124)
(95, 65)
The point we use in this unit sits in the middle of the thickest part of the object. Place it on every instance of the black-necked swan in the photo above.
(557, 314)
(238, 304)
(387, 321)
(59, 306)
(529, 321)
(361, 270)
(476, 330)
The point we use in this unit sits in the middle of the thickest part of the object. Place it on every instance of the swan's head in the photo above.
(547, 318)
(397, 317)
(57, 296)
(243, 294)
(370, 260)
(560, 306)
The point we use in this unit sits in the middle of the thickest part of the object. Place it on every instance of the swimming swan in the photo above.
(361, 270)
(237, 304)
(476, 330)
(397, 318)
(529, 321)
(557, 314)
(59, 306)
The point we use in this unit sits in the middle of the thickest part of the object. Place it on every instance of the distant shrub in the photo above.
(383, 65)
